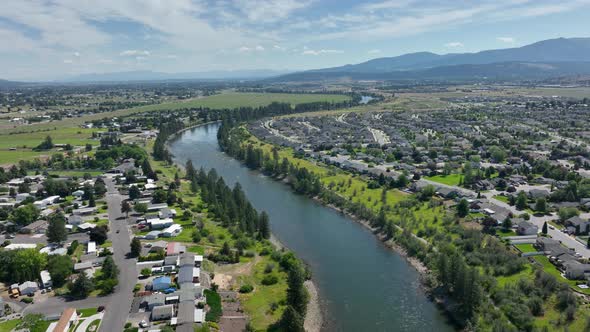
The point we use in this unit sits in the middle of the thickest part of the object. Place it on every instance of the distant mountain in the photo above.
(491, 71)
(160, 76)
(548, 53)
(10, 84)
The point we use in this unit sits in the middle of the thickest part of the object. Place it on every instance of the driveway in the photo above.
(84, 325)
(118, 307)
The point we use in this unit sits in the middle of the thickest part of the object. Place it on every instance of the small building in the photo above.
(28, 288)
(152, 235)
(46, 279)
(167, 213)
(16, 246)
(157, 207)
(85, 211)
(160, 223)
(175, 248)
(86, 227)
(36, 227)
(172, 231)
(83, 266)
(161, 283)
(163, 312)
(155, 300)
(527, 228)
(78, 194)
(188, 274)
(91, 248)
(75, 219)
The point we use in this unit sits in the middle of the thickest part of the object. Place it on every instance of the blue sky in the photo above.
(52, 39)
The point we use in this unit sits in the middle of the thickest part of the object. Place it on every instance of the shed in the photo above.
(46, 279)
(28, 288)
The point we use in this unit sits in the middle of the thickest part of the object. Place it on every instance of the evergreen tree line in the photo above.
(166, 129)
(230, 206)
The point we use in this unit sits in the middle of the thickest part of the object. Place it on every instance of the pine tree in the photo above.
(296, 293)
(109, 269)
(264, 227)
(82, 286)
(544, 229)
(125, 208)
(56, 229)
(135, 247)
(292, 321)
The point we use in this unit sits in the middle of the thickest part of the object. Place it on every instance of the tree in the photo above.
(264, 225)
(99, 234)
(56, 229)
(296, 293)
(82, 286)
(24, 215)
(225, 250)
(541, 205)
(47, 144)
(544, 229)
(292, 321)
(146, 272)
(462, 208)
(135, 247)
(134, 192)
(109, 269)
(140, 208)
(60, 268)
(507, 224)
(521, 201)
(125, 208)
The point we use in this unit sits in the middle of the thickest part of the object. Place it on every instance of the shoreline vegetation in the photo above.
(464, 270)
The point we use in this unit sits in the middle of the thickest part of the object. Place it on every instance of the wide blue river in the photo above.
(363, 285)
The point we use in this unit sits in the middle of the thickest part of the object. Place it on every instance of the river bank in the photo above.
(314, 315)
(362, 283)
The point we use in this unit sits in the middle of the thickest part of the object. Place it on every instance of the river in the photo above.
(363, 285)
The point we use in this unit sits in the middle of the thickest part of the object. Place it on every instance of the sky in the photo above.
(56, 39)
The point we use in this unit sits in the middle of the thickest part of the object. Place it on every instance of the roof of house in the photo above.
(186, 312)
(64, 320)
(163, 309)
(27, 284)
(162, 280)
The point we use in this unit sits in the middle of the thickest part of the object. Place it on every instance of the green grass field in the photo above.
(9, 325)
(501, 198)
(525, 247)
(221, 101)
(450, 180)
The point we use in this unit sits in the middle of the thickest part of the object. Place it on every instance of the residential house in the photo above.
(75, 219)
(85, 211)
(46, 279)
(175, 248)
(28, 288)
(167, 213)
(580, 226)
(163, 312)
(160, 223)
(36, 227)
(68, 319)
(575, 270)
(161, 283)
(172, 231)
(155, 300)
(527, 228)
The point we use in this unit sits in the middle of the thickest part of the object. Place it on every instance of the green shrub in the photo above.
(270, 279)
(246, 289)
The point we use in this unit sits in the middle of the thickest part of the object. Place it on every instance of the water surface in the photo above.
(363, 285)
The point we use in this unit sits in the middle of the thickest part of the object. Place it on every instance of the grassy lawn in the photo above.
(526, 273)
(501, 198)
(9, 325)
(87, 312)
(196, 249)
(450, 180)
(525, 247)
(258, 303)
(505, 233)
(93, 325)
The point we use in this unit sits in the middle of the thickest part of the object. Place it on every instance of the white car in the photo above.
(143, 324)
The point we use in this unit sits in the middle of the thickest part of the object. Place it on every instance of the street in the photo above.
(117, 309)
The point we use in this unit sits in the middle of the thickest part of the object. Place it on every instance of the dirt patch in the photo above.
(224, 281)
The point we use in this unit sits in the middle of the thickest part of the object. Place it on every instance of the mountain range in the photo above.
(548, 58)
(146, 75)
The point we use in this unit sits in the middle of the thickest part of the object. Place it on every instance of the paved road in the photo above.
(119, 304)
(567, 240)
(56, 305)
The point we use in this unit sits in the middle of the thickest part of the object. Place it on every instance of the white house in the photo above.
(28, 288)
(46, 279)
(163, 312)
(22, 196)
(91, 247)
(171, 231)
(160, 223)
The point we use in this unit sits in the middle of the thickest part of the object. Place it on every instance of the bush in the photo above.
(246, 289)
(27, 300)
(269, 267)
(214, 303)
(270, 279)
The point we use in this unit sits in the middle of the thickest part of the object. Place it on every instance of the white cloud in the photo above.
(375, 51)
(77, 54)
(307, 51)
(135, 53)
(454, 45)
(267, 11)
(509, 40)
(68, 61)
(246, 49)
